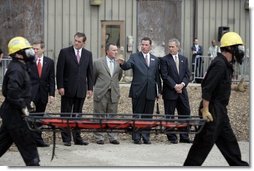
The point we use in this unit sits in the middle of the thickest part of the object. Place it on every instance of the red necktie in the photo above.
(39, 67)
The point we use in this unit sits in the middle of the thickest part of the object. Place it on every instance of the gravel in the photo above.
(238, 110)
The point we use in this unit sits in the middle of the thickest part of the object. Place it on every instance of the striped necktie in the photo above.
(39, 67)
(111, 67)
(177, 63)
(78, 55)
(146, 58)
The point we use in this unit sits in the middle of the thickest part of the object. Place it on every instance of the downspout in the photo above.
(195, 14)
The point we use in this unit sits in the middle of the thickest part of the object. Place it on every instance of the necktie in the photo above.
(177, 63)
(78, 56)
(111, 67)
(146, 58)
(39, 68)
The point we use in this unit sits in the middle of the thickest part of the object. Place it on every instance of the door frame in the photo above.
(104, 24)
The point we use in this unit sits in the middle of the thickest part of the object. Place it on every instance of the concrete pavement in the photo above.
(125, 154)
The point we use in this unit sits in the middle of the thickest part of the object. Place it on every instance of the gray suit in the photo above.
(106, 91)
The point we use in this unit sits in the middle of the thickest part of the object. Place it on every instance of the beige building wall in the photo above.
(211, 14)
(199, 18)
(63, 18)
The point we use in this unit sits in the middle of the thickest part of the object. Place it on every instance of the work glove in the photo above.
(25, 111)
(32, 107)
(206, 114)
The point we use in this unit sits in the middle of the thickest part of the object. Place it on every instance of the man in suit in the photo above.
(42, 75)
(107, 75)
(74, 81)
(143, 90)
(175, 75)
(197, 50)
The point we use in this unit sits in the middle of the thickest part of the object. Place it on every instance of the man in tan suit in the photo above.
(107, 75)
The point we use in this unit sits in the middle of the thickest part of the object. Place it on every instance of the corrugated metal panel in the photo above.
(63, 18)
(49, 35)
(94, 30)
(187, 27)
(66, 36)
(122, 10)
(212, 14)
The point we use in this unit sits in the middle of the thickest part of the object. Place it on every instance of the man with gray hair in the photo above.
(106, 76)
(175, 75)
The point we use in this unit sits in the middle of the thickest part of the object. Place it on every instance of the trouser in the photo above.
(142, 108)
(193, 63)
(40, 108)
(183, 108)
(70, 106)
(218, 132)
(22, 138)
(105, 106)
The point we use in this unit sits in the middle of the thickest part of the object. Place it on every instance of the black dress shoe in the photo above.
(137, 142)
(67, 143)
(115, 142)
(101, 142)
(42, 144)
(82, 143)
(185, 141)
(147, 142)
(173, 141)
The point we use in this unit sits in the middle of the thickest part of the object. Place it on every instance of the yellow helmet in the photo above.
(230, 39)
(18, 43)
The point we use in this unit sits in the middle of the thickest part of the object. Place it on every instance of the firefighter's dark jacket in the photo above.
(216, 86)
(16, 90)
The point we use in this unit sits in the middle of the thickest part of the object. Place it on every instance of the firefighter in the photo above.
(17, 104)
(216, 88)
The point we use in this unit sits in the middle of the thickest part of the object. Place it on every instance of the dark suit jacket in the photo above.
(103, 80)
(143, 76)
(200, 50)
(74, 77)
(171, 77)
(44, 86)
